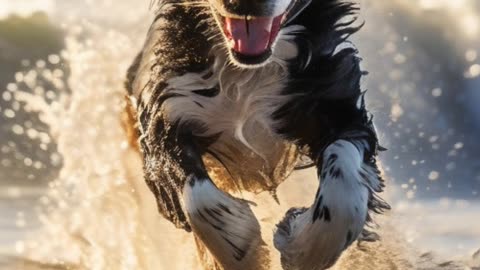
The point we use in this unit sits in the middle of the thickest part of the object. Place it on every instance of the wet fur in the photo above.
(307, 102)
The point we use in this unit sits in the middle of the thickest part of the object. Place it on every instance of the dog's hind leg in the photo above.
(186, 195)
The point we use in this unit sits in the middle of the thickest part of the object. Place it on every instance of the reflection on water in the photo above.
(98, 214)
(445, 226)
(18, 216)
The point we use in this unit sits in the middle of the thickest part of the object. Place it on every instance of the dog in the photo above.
(227, 96)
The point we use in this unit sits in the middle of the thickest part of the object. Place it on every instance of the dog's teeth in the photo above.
(231, 43)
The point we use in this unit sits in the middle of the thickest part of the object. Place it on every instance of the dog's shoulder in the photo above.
(176, 43)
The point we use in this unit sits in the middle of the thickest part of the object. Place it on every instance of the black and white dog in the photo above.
(229, 95)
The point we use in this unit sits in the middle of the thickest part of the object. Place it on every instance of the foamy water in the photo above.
(99, 214)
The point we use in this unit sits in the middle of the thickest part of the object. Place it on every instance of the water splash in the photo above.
(98, 213)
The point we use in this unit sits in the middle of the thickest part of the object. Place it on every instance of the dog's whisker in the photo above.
(214, 36)
(195, 4)
(202, 5)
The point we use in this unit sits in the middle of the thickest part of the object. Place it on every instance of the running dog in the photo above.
(228, 96)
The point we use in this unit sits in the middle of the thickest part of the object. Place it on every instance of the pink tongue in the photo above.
(252, 37)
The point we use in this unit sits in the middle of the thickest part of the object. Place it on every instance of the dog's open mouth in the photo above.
(250, 39)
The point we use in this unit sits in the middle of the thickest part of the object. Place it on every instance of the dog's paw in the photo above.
(226, 225)
(311, 239)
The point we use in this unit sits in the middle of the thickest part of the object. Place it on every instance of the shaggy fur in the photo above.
(209, 125)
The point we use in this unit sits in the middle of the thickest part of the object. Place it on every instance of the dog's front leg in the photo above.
(342, 141)
(315, 237)
(186, 196)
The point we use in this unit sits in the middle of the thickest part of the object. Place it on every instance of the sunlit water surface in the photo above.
(98, 213)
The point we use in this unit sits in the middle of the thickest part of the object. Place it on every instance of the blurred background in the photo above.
(71, 191)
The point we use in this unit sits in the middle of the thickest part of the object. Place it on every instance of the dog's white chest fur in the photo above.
(243, 107)
(241, 113)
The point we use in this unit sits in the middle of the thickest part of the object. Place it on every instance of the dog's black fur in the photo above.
(325, 104)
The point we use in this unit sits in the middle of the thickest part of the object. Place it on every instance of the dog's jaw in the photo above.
(254, 60)
(250, 40)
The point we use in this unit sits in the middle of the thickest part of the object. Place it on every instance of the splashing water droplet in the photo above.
(433, 176)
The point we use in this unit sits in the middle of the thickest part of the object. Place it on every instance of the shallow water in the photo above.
(98, 213)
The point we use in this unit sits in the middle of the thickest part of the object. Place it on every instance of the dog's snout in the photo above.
(250, 27)
(256, 8)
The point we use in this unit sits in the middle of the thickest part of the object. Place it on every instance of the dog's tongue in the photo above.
(252, 37)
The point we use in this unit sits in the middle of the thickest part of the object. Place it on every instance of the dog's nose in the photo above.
(255, 8)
